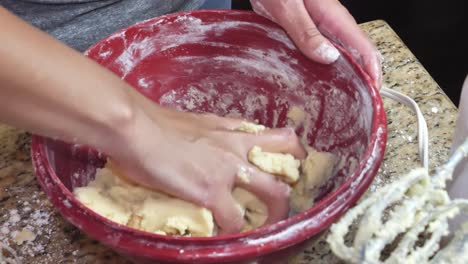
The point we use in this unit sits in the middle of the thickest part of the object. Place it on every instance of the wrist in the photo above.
(127, 128)
(118, 125)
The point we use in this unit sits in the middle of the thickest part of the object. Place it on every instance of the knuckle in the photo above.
(239, 223)
(211, 204)
(283, 5)
(287, 137)
(209, 116)
(208, 183)
(310, 33)
(289, 134)
(286, 3)
(228, 157)
(283, 191)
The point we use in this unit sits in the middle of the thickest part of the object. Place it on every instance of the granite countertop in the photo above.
(24, 205)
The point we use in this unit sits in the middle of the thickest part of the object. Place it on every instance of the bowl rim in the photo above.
(363, 174)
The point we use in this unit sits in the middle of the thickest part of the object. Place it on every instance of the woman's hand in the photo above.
(307, 21)
(197, 158)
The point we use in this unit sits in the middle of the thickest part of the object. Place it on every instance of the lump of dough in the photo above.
(316, 170)
(142, 208)
(99, 202)
(283, 165)
(255, 211)
(250, 128)
(296, 115)
(148, 210)
(23, 236)
(174, 217)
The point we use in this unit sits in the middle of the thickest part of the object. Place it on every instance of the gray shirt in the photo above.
(81, 23)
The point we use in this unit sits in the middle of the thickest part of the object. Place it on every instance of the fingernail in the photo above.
(327, 52)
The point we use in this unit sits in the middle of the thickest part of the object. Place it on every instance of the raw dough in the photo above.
(125, 203)
(117, 199)
(283, 165)
(250, 128)
(315, 171)
(296, 115)
(23, 236)
(255, 211)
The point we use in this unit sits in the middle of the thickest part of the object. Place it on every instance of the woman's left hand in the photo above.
(307, 21)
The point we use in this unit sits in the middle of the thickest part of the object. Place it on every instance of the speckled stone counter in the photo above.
(23, 205)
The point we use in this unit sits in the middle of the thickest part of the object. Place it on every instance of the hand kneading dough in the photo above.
(316, 169)
(121, 201)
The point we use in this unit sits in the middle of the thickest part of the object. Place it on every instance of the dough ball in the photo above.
(283, 165)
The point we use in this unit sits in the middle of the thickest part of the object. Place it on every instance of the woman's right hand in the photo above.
(197, 156)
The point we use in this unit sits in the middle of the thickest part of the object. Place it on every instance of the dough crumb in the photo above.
(283, 165)
(24, 235)
(296, 115)
(250, 128)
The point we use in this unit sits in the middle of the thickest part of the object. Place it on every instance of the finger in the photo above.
(227, 213)
(295, 19)
(373, 66)
(260, 9)
(281, 140)
(274, 193)
(335, 21)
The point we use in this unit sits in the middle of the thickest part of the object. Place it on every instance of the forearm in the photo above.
(52, 90)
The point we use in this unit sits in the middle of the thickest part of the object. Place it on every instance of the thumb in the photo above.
(295, 19)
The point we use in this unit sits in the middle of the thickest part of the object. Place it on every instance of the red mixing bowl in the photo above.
(232, 64)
